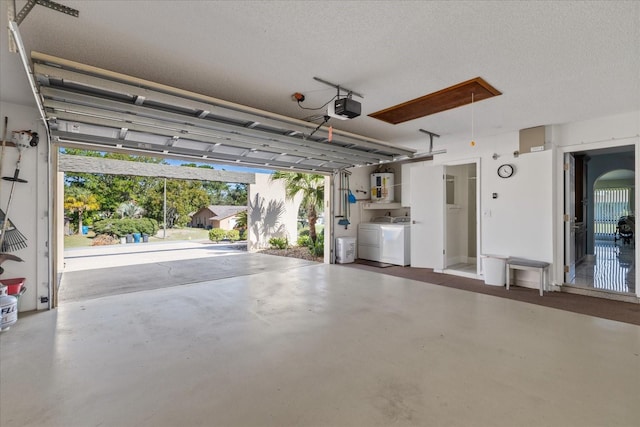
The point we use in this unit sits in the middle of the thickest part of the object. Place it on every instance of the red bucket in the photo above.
(13, 285)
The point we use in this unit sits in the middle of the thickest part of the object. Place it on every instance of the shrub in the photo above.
(244, 235)
(233, 235)
(304, 240)
(279, 242)
(217, 234)
(147, 226)
(122, 226)
(303, 231)
(318, 248)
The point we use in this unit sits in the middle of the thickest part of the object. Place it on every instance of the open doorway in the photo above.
(461, 219)
(600, 220)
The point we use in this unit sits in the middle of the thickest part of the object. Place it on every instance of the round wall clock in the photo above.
(505, 171)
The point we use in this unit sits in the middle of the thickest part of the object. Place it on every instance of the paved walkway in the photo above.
(111, 270)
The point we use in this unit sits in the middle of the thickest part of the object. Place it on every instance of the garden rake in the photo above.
(11, 238)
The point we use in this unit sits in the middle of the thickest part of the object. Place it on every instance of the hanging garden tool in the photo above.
(352, 198)
(8, 257)
(12, 239)
(4, 143)
(22, 139)
(340, 201)
(344, 198)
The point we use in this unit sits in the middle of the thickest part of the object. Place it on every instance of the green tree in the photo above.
(79, 200)
(241, 220)
(236, 195)
(112, 190)
(311, 186)
(183, 198)
(130, 209)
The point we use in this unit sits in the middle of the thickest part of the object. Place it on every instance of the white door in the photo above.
(427, 214)
(569, 218)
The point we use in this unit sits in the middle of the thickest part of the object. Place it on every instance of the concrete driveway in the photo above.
(110, 270)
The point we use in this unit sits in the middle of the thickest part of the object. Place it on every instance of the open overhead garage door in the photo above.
(85, 105)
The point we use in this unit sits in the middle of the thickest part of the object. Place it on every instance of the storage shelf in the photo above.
(381, 206)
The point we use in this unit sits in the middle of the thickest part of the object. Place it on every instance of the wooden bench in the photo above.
(525, 264)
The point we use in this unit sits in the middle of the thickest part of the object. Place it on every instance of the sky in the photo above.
(225, 167)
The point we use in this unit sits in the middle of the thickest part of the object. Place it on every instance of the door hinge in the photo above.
(566, 218)
(566, 166)
(44, 300)
(566, 268)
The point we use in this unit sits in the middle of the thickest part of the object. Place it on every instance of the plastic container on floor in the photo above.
(345, 250)
(8, 309)
(493, 267)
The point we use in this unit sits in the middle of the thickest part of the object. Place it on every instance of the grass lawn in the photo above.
(79, 241)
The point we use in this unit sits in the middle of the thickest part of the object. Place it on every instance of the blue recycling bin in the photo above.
(85, 229)
(136, 237)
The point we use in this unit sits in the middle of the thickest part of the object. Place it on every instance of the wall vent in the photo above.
(532, 140)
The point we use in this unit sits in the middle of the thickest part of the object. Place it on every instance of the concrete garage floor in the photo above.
(111, 270)
(316, 345)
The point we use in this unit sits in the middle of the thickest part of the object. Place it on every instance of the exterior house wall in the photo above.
(201, 218)
(270, 213)
(226, 223)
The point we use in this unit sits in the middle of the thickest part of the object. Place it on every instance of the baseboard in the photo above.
(599, 293)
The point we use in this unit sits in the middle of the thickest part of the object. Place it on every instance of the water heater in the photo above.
(382, 187)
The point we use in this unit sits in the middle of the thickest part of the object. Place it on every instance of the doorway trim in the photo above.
(558, 270)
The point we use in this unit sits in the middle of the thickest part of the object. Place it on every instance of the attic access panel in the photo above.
(442, 100)
(88, 106)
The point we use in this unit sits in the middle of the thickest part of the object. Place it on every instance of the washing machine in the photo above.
(386, 239)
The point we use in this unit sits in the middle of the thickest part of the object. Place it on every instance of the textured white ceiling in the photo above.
(555, 62)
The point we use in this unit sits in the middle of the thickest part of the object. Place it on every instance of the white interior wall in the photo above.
(517, 222)
(29, 210)
(599, 132)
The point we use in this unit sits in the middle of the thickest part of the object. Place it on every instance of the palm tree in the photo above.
(241, 220)
(312, 188)
(130, 209)
(80, 200)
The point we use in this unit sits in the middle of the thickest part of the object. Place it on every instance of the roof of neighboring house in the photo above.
(221, 212)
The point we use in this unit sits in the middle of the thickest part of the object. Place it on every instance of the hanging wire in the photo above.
(473, 142)
(319, 108)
